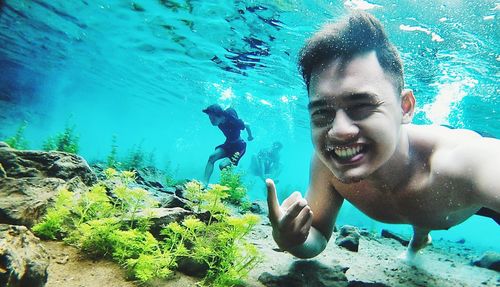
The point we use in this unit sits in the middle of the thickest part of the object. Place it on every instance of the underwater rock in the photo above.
(31, 163)
(191, 267)
(365, 284)
(23, 261)
(150, 176)
(169, 201)
(179, 191)
(490, 260)
(348, 238)
(306, 273)
(3, 174)
(259, 207)
(24, 201)
(33, 178)
(163, 216)
(388, 234)
(255, 208)
(365, 233)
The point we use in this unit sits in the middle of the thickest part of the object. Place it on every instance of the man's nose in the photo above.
(343, 127)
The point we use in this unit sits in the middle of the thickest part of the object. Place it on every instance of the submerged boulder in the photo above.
(307, 273)
(490, 260)
(161, 217)
(29, 180)
(348, 238)
(42, 164)
(389, 234)
(23, 261)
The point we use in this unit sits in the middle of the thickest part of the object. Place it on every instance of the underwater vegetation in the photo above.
(18, 141)
(170, 175)
(134, 159)
(232, 179)
(112, 220)
(111, 159)
(137, 158)
(65, 141)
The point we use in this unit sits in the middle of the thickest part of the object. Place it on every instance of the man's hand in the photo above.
(291, 221)
(250, 138)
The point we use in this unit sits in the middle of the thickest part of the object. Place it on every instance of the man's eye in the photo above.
(322, 117)
(360, 111)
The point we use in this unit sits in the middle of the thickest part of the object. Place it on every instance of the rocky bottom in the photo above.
(376, 263)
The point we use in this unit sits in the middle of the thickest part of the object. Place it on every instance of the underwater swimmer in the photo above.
(367, 152)
(234, 146)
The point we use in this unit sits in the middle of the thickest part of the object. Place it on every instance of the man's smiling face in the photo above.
(356, 116)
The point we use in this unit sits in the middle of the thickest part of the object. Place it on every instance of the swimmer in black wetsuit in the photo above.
(234, 147)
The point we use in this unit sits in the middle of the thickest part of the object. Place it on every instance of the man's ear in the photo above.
(407, 106)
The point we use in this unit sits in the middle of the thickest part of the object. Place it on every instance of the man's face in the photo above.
(355, 116)
(215, 119)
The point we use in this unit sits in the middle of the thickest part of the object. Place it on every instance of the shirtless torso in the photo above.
(431, 197)
(438, 188)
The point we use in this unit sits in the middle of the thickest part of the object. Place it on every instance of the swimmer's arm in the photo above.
(476, 161)
(325, 204)
(249, 131)
(485, 175)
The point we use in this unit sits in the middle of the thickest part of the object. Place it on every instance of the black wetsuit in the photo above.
(232, 128)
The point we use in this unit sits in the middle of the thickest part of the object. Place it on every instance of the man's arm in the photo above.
(485, 160)
(303, 227)
(472, 165)
(249, 132)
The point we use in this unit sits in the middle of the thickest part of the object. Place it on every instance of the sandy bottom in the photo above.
(443, 264)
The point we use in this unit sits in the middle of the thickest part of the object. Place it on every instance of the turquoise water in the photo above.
(143, 70)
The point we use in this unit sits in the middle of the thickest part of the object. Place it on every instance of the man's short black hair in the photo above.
(214, 109)
(360, 32)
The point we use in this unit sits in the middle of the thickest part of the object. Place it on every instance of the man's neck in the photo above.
(396, 172)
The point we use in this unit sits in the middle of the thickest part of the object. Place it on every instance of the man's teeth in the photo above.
(347, 152)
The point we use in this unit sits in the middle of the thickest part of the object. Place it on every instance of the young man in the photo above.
(367, 152)
(266, 164)
(234, 147)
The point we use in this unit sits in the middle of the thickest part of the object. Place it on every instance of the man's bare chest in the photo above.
(434, 207)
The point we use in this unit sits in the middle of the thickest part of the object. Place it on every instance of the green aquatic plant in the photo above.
(210, 200)
(94, 204)
(57, 220)
(135, 159)
(89, 220)
(65, 141)
(132, 243)
(233, 180)
(94, 237)
(105, 222)
(220, 243)
(111, 160)
(170, 175)
(229, 256)
(18, 141)
(141, 253)
(149, 266)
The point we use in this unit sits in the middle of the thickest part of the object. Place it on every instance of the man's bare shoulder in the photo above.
(452, 151)
(440, 136)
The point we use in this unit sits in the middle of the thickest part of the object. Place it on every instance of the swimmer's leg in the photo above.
(420, 239)
(225, 163)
